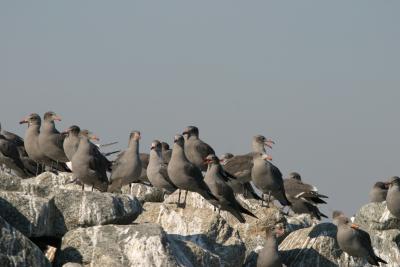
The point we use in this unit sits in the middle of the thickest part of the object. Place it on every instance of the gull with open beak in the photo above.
(240, 166)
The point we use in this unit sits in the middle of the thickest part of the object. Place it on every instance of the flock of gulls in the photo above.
(191, 165)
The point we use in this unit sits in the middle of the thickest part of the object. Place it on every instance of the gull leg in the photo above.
(179, 197)
(184, 202)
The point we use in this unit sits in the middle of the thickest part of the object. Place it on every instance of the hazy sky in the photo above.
(321, 78)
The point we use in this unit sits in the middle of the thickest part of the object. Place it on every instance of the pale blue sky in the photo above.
(319, 77)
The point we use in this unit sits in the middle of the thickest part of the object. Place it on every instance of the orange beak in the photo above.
(354, 226)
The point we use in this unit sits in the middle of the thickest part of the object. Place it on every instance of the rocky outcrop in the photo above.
(317, 245)
(50, 205)
(384, 229)
(233, 242)
(129, 245)
(18, 250)
(138, 228)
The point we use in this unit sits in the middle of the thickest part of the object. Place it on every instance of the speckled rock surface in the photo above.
(33, 216)
(17, 250)
(83, 209)
(129, 245)
(144, 193)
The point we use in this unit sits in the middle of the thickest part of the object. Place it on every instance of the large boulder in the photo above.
(18, 250)
(384, 230)
(47, 183)
(33, 216)
(198, 224)
(128, 245)
(76, 209)
(315, 246)
(223, 235)
(50, 205)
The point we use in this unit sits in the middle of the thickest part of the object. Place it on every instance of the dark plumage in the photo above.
(195, 149)
(378, 192)
(296, 189)
(216, 179)
(355, 241)
(268, 178)
(88, 165)
(50, 139)
(184, 174)
(157, 169)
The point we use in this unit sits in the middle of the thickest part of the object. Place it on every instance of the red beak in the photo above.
(23, 121)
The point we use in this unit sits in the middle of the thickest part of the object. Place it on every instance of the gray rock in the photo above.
(17, 250)
(384, 230)
(47, 183)
(128, 245)
(76, 209)
(317, 246)
(376, 216)
(144, 193)
(9, 182)
(33, 216)
(314, 246)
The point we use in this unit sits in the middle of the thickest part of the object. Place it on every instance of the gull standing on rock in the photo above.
(393, 196)
(31, 143)
(127, 168)
(296, 189)
(216, 179)
(354, 241)
(157, 170)
(9, 156)
(29, 164)
(268, 178)
(88, 167)
(240, 166)
(50, 139)
(71, 141)
(195, 149)
(184, 174)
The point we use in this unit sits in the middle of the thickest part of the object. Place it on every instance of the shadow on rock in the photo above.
(305, 257)
(218, 254)
(14, 217)
(323, 229)
(68, 254)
